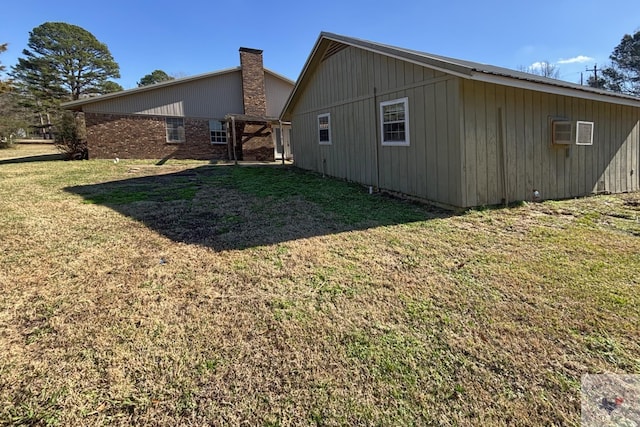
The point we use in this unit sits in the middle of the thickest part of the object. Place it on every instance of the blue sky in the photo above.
(193, 37)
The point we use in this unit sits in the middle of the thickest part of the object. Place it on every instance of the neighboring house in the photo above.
(192, 118)
(455, 132)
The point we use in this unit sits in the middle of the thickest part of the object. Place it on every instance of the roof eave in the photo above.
(279, 76)
(556, 88)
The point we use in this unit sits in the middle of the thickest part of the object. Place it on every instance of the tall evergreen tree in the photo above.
(623, 75)
(64, 62)
(156, 76)
(4, 86)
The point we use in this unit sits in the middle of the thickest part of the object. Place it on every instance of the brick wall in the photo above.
(144, 137)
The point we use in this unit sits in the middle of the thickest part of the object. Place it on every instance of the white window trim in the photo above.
(328, 116)
(226, 137)
(406, 141)
(579, 134)
(184, 133)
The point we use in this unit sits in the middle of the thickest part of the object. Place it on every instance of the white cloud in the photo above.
(537, 65)
(576, 60)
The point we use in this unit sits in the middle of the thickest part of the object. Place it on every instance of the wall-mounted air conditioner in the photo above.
(561, 132)
(584, 133)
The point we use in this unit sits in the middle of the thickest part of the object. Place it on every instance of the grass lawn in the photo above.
(196, 294)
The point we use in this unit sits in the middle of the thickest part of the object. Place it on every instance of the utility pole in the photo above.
(595, 75)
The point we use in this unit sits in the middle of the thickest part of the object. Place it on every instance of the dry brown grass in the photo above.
(28, 150)
(190, 294)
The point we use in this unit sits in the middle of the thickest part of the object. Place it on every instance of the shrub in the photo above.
(70, 136)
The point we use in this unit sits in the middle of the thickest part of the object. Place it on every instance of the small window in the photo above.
(175, 129)
(394, 122)
(218, 132)
(324, 129)
(584, 133)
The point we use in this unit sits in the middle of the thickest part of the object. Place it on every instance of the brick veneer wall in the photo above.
(144, 137)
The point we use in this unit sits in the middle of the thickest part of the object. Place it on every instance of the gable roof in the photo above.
(329, 42)
(74, 105)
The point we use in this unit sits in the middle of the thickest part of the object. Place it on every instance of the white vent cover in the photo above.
(561, 132)
(584, 133)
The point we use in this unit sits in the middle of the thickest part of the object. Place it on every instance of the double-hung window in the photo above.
(218, 132)
(175, 129)
(394, 122)
(324, 129)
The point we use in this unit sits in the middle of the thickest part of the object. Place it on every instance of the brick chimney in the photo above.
(253, 93)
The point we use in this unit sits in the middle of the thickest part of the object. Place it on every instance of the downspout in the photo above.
(377, 153)
(233, 130)
(281, 139)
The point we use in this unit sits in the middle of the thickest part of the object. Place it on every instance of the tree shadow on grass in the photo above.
(38, 158)
(236, 207)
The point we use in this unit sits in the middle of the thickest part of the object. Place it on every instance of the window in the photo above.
(584, 133)
(175, 129)
(218, 132)
(394, 122)
(324, 129)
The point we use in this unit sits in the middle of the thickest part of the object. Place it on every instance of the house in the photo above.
(455, 132)
(195, 117)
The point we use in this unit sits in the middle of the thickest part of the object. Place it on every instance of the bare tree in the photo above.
(543, 68)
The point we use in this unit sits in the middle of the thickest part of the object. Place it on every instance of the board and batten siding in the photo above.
(532, 162)
(212, 97)
(349, 85)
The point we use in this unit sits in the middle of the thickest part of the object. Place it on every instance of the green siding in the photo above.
(533, 162)
(343, 85)
(456, 154)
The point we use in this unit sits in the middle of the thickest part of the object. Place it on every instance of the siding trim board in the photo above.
(480, 135)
